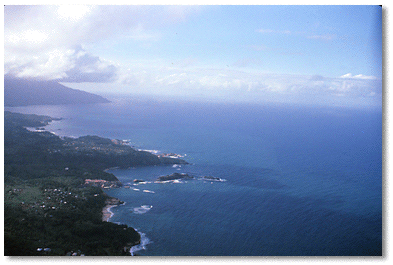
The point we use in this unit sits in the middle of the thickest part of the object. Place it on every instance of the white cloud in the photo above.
(325, 37)
(244, 86)
(37, 39)
(234, 85)
(73, 12)
(51, 42)
(63, 64)
(359, 76)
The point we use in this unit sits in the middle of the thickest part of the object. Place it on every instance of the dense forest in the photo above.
(48, 207)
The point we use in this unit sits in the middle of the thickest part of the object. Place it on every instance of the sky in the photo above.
(324, 55)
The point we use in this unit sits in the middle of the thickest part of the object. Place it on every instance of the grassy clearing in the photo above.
(22, 194)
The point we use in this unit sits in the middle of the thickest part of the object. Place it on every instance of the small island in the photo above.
(184, 176)
(211, 178)
(137, 181)
(174, 176)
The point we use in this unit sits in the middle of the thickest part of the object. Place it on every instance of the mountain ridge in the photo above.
(25, 92)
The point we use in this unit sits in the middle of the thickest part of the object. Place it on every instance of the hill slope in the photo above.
(50, 208)
(23, 92)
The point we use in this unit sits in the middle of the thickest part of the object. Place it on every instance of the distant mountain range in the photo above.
(24, 92)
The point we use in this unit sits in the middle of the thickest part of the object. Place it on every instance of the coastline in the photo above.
(102, 146)
(131, 247)
(109, 204)
(107, 213)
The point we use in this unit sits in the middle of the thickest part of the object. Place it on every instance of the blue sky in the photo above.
(329, 55)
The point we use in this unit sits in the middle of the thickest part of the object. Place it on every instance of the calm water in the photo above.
(299, 181)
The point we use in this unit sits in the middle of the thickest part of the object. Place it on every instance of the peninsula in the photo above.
(53, 191)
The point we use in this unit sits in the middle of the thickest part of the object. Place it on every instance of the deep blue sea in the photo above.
(299, 180)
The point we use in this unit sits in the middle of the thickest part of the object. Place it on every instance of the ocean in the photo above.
(296, 180)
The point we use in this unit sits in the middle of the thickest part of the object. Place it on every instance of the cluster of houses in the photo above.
(72, 253)
(46, 250)
(52, 199)
(15, 191)
(55, 198)
(96, 144)
(120, 142)
(171, 155)
(105, 184)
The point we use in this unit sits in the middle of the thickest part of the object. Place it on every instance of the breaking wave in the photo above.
(143, 209)
(142, 246)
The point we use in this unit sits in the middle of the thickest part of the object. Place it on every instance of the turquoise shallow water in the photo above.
(299, 181)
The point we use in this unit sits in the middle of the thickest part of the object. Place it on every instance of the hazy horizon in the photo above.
(312, 55)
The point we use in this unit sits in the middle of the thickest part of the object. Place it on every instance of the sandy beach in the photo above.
(106, 211)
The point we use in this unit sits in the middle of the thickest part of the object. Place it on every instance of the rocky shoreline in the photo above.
(110, 203)
(57, 184)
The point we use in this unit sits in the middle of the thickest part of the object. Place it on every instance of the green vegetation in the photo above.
(175, 176)
(62, 216)
(41, 154)
(48, 208)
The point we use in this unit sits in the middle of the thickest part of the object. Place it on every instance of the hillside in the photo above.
(51, 203)
(32, 154)
(23, 92)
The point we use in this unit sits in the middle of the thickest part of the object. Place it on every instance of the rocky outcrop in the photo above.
(175, 176)
(211, 178)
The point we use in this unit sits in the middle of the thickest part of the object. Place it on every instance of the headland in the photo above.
(54, 190)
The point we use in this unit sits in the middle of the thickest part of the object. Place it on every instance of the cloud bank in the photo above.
(235, 85)
(48, 42)
(53, 43)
